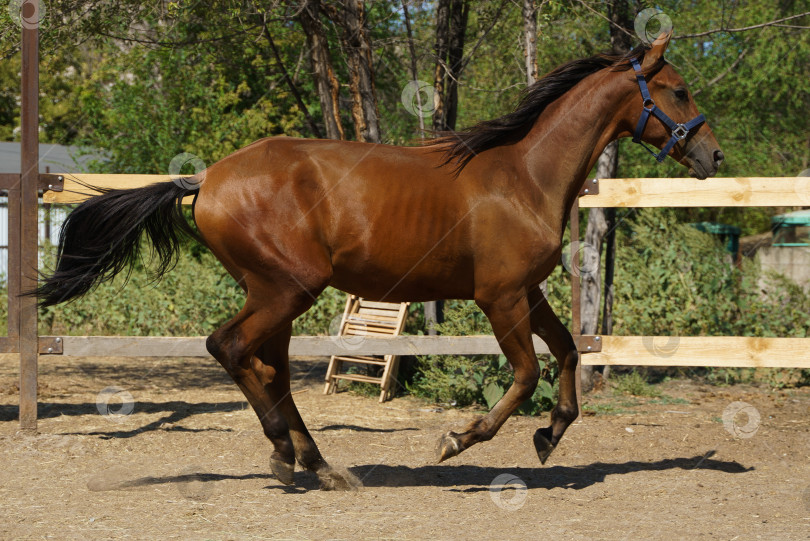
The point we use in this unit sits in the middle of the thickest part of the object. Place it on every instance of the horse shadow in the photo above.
(468, 479)
(479, 478)
(175, 411)
(356, 428)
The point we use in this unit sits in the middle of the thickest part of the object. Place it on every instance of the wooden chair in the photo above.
(363, 318)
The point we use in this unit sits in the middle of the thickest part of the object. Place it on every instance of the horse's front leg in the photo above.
(509, 315)
(546, 325)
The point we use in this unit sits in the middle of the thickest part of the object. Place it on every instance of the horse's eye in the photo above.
(681, 94)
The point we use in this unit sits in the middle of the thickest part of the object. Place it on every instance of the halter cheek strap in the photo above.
(678, 131)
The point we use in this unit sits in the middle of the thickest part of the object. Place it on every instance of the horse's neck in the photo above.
(566, 140)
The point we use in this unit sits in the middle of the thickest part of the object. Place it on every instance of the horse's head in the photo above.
(668, 117)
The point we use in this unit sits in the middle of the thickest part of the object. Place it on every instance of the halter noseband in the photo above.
(679, 131)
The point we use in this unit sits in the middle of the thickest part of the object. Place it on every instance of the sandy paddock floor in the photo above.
(190, 462)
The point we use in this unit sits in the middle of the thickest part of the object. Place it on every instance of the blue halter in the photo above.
(679, 131)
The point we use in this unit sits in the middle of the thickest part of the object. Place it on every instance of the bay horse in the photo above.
(475, 215)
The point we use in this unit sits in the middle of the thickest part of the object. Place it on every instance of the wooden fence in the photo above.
(603, 350)
(597, 350)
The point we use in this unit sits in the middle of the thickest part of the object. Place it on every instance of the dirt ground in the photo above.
(189, 461)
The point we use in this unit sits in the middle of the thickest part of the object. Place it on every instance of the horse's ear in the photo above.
(656, 52)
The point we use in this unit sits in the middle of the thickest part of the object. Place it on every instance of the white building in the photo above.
(54, 159)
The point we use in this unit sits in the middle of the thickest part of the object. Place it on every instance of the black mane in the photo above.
(462, 146)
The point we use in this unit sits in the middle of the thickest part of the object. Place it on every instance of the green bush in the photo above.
(193, 299)
(672, 280)
(324, 316)
(476, 379)
(635, 384)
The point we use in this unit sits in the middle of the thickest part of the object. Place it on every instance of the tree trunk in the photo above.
(594, 233)
(324, 74)
(620, 13)
(600, 222)
(459, 14)
(290, 83)
(530, 40)
(451, 29)
(529, 11)
(444, 99)
(442, 42)
(414, 70)
(434, 314)
(610, 265)
(357, 43)
(609, 163)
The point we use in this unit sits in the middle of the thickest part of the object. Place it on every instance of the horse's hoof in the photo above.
(448, 447)
(542, 444)
(282, 470)
(338, 479)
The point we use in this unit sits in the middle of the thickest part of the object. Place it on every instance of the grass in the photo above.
(668, 400)
(635, 384)
(603, 409)
(369, 390)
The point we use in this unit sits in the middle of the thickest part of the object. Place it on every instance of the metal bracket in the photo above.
(591, 187)
(50, 345)
(47, 345)
(46, 182)
(51, 182)
(587, 343)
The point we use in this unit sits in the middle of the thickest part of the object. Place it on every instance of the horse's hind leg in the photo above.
(272, 368)
(234, 344)
(274, 425)
(547, 326)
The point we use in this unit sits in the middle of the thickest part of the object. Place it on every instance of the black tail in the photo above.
(101, 238)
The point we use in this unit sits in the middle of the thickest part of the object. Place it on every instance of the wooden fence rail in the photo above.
(715, 351)
(612, 192)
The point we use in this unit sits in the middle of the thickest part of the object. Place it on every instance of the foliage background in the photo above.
(145, 82)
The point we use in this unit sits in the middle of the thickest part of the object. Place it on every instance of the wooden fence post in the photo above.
(26, 228)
